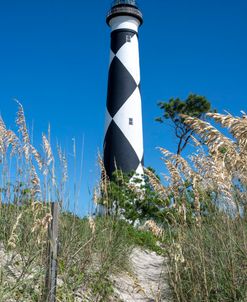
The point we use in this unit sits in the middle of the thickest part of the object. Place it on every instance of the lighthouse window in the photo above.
(131, 122)
(128, 38)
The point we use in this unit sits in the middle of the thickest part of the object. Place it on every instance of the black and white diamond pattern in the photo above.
(123, 144)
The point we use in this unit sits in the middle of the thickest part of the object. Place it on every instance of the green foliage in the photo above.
(86, 258)
(102, 287)
(137, 201)
(194, 106)
(144, 239)
(134, 199)
(208, 261)
(22, 275)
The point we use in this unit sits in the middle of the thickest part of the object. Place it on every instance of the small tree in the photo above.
(134, 199)
(195, 106)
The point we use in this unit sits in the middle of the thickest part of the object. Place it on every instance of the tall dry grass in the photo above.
(208, 262)
(28, 184)
(216, 173)
(208, 253)
(90, 249)
(205, 223)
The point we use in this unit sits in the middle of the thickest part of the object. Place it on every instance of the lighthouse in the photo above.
(123, 139)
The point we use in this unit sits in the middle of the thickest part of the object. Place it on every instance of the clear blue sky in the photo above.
(54, 58)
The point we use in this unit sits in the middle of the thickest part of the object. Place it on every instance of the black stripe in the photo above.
(125, 30)
(118, 39)
(118, 150)
(121, 85)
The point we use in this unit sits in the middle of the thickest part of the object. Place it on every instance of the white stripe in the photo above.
(132, 109)
(126, 22)
(108, 120)
(140, 170)
(112, 55)
(128, 54)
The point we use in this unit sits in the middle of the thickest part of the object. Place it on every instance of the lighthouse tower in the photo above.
(123, 142)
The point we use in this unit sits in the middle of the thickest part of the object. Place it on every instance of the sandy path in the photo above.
(147, 282)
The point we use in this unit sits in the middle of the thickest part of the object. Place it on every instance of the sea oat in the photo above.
(92, 224)
(13, 237)
(21, 122)
(156, 184)
(47, 149)
(37, 157)
(35, 181)
(176, 253)
(153, 227)
(105, 181)
(63, 163)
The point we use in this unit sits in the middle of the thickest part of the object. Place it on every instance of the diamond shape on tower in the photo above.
(118, 39)
(116, 147)
(142, 161)
(123, 143)
(131, 109)
(112, 55)
(139, 170)
(120, 86)
(108, 120)
(128, 54)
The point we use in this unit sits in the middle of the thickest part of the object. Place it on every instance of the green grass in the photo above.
(209, 262)
(86, 259)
